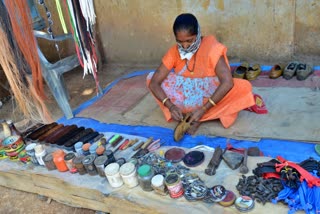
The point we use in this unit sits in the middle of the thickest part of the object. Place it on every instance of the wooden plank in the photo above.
(68, 193)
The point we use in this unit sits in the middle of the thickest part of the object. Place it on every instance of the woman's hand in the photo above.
(197, 114)
(176, 113)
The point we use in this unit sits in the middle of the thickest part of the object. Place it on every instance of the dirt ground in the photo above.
(81, 90)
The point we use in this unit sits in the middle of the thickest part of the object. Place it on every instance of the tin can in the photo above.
(158, 185)
(128, 174)
(68, 158)
(48, 161)
(244, 203)
(113, 175)
(100, 163)
(31, 153)
(174, 185)
(77, 161)
(88, 163)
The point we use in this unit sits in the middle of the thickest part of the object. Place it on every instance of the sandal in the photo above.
(303, 71)
(253, 72)
(290, 70)
(241, 70)
(276, 71)
(182, 128)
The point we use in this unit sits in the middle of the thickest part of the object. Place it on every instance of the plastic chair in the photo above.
(53, 72)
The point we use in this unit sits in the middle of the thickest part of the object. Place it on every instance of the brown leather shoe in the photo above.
(241, 70)
(253, 72)
(276, 71)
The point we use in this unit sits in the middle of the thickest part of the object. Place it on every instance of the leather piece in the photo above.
(38, 132)
(52, 134)
(63, 132)
(89, 137)
(27, 132)
(50, 131)
(77, 137)
(69, 135)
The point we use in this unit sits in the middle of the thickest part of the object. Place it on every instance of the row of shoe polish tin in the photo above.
(299, 69)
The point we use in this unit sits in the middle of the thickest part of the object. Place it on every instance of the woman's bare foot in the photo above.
(194, 127)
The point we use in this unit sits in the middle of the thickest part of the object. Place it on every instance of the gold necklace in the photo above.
(194, 64)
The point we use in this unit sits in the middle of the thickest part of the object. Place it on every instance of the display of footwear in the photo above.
(241, 70)
(276, 71)
(303, 71)
(253, 72)
(290, 70)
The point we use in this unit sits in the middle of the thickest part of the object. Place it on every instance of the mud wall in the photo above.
(138, 31)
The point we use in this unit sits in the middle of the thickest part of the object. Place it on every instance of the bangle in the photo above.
(211, 101)
(165, 100)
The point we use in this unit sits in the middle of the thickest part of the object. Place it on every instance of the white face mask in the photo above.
(188, 52)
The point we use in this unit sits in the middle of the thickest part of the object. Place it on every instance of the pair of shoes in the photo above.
(245, 71)
(253, 72)
(241, 70)
(302, 70)
(182, 128)
(276, 71)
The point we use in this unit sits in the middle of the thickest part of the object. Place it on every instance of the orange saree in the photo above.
(190, 90)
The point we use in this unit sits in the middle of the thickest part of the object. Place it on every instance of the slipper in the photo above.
(259, 107)
(241, 70)
(276, 71)
(253, 72)
(182, 128)
(303, 71)
(290, 70)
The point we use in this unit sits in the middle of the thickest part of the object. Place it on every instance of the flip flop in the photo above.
(182, 128)
(259, 107)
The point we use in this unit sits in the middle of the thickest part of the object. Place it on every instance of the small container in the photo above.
(158, 185)
(58, 159)
(244, 203)
(88, 163)
(93, 148)
(121, 161)
(78, 148)
(113, 175)
(100, 163)
(145, 174)
(68, 158)
(77, 161)
(40, 152)
(128, 174)
(31, 153)
(85, 148)
(100, 150)
(48, 161)
(174, 185)
(133, 160)
(110, 156)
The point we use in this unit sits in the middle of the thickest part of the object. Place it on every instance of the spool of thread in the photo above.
(58, 159)
(110, 156)
(113, 141)
(100, 150)
(174, 185)
(93, 148)
(85, 148)
(78, 148)
(77, 161)
(48, 161)
(88, 163)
